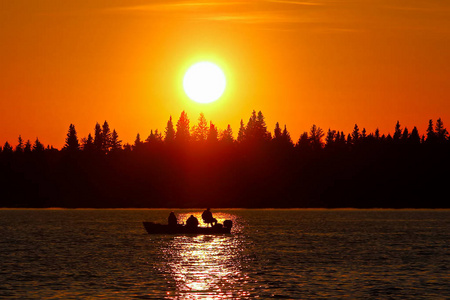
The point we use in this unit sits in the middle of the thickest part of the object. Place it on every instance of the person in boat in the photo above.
(208, 217)
(192, 222)
(172, 219)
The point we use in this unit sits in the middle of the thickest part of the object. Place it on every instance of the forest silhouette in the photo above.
(202, 166)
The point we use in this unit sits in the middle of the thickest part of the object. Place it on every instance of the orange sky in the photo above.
(332, 63)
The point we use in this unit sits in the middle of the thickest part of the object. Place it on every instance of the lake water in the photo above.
(292, 254)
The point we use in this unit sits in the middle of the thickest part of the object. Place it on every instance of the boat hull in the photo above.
(155, 228)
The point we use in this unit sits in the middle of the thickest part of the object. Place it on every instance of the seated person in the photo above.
(192, 222)
(208, 218)
(172, 219)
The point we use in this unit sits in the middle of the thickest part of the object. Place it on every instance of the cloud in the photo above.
(175, 6)
(250, 5)
(306, 3)
(256, 17)
(252, 11)
(276, 14)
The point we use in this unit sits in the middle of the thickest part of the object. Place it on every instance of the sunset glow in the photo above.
(194, 149)
(329, 63)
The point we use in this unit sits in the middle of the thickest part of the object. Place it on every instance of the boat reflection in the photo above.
(205, 266)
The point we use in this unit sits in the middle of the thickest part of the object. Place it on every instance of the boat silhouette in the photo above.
(156, 228)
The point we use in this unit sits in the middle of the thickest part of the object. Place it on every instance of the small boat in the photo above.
(156, 228)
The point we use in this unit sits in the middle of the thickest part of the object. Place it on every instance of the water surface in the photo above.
(289, 254)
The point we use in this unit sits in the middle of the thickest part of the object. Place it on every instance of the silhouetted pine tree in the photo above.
(169, 132)
(340, 138)
(277, 132)
(414, 137)
(251, 128)
(19, 147)
(182, 135)
(213, 134)
(106, 137)
(241, 132)
(330, 139)
(38, 146)
(7, 148)
(154, 137)
(441, 132)
(158, 136)
(137, 142)
(98, 137)
(397, 132)
(377, 134)
(227, 135)
(303, 143)
(355, 136)
(286, 137)
(256, 129)
(72, 143)
(150, 137)
(281, 138)
(315, 135)
(116, 144)
(251, 124)
(200, 130)
(27, 148)
(88, 144)
(262, 127)
(431, 135)
(405, 135)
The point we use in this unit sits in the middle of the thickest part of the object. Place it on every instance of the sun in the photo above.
(204, 82)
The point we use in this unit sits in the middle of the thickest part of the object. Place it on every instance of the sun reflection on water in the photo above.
(205, 266)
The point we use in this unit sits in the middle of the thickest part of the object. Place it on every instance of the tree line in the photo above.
(200, 165)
